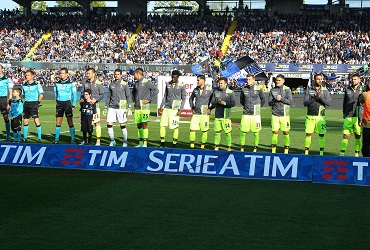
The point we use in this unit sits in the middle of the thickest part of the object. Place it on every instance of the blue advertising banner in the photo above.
(225, 164)
(341, 170)
(292, 67)
(68, 156)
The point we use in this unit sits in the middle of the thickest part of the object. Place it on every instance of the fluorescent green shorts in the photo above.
(280, 122)
(222, 124)
(250, 123)
(141, 116)
(315, 124)
(169, 118)
(350, 125)
(199, 122)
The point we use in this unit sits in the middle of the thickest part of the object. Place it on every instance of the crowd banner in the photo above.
(68, 156)
(224, 164)
(190, 83)
(341, 170)
(267, 67)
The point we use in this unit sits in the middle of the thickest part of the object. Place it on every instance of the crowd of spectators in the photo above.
(184, 39)
(188, 38)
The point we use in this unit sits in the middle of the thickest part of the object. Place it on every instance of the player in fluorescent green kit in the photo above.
(223, 99)
(143, 92)
(280, 99)
(199, 102)
(316, 100)
(172, 104)
(351, 106)
(252, 99)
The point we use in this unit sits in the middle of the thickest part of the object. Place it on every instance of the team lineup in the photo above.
(203, 99)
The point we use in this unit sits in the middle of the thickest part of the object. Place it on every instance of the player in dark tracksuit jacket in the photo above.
(143, 93)
(172, 104)
(252, 99)
(280, 99)
(351, 106)
(199, 101)
(223, 99)
(316, 100)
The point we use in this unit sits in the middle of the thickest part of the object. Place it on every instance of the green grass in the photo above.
(48, 208)
(74, 209)
(333, 136)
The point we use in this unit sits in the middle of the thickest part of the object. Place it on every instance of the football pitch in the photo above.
(74, 209)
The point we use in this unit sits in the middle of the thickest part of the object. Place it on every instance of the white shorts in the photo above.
(116, 114)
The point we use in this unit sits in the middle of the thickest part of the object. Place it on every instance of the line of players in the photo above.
(202, 100)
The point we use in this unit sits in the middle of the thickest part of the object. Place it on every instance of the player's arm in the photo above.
(262, 97)
(101, 93)
(153, 91)
(191, 100)
(288, 98)
(40, 92)
(183, 97)
(231, 102)
(345, 100)
(164, 98)
(325, 98)
(307, 98)
(271, 100)
(74, 95)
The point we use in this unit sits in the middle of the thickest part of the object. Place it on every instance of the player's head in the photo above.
(117, 74)
(280, 80)
(90, 73)
(138, 74)
(356, 79)
(201, 81)
(318, 79)
(222, 83)
(17, 92)
(63, 73)
(30, 74)
(250, 79)
(175, 75)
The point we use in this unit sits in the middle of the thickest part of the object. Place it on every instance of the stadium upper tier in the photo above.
(188, 39)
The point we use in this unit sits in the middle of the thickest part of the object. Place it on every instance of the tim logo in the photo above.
(73, 156)
(335, 170)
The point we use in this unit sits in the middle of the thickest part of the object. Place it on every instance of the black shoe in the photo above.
(8, 139)
(24, 140)
(173, 145)
(55, 142)
(73, 142)
(39, 141)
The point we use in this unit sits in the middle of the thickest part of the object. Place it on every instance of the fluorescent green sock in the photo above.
(145, 136)
(140, 136)
(343, 146)
(357, 145)
(307, 142)
(274, 139)
(228, 139)
(162, 133)
(256, 138)
(217, 138)
(286, 140)
(204, 137)
(322, 144)
(175, 135)
(242, 138)
(98, 131)
(192, 136)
